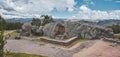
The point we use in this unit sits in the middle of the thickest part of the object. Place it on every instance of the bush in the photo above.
(2, 26)
(115, 28)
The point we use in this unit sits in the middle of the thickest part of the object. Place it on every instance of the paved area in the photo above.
(92, 48)
(29, 47)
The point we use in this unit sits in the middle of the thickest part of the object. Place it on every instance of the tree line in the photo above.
(41, 22)
(115, 28)
(35, 21)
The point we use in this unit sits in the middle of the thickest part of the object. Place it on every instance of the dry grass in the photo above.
(117, 36)
(10, 33)
(75, 42)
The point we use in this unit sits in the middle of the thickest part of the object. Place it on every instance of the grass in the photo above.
(12, 34)
(21, 55)
(117, 36)
(41, 36)
(75, 42)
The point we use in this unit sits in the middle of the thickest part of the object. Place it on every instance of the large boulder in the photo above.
(75, 28)
(40, 31)
(26, 29)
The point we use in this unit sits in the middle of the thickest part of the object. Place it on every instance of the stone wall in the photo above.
(112, 40)
(59, 42)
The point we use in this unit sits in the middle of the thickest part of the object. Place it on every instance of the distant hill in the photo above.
(100, 23)
(108, 22)
(23, 20)
(26, 20)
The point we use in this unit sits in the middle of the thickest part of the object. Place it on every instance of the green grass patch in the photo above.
(41, 37)
(75, 42)
(117, 36)
(21, 55)
(12, 34)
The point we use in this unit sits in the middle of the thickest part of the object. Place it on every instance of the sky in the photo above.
(70, 9)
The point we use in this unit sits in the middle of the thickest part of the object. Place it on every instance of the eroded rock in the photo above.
(74, 28)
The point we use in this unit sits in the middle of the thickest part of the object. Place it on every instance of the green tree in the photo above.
(36, 21)
(115, 28)
(47, 19)
(2, 25)
(13, 25)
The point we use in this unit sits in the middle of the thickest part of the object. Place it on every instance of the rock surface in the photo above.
(100, 49)
(26, 29)
(92, 48)
(74, 28)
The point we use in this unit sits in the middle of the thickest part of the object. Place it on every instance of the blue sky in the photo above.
(71, 9)
(104, 5)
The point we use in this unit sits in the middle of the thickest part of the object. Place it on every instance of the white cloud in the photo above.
(87, 13)
(84, 8)
(36, 7)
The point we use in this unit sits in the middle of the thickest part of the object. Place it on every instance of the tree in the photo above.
(46, 19)
(13, 25)
(36, 21)
(2, 26)
(2, 23)
(115, 28)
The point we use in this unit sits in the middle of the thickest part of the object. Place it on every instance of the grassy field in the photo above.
(117, 36)
(21, 55)
(75, 42)
(10, 33)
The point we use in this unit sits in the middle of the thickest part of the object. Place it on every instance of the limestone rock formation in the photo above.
(26, 29)
(39, 31)
(75, 28)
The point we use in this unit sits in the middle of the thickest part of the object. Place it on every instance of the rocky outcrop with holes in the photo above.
(68, 29)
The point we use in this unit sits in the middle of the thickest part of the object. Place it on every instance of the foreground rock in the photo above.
(100, 49)
(68, 29)
(29, 47)
(92, 48)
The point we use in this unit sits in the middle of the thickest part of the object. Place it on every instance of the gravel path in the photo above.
(29, 47)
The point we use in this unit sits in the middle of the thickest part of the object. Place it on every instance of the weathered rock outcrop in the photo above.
(26, 29)
(74, 28)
